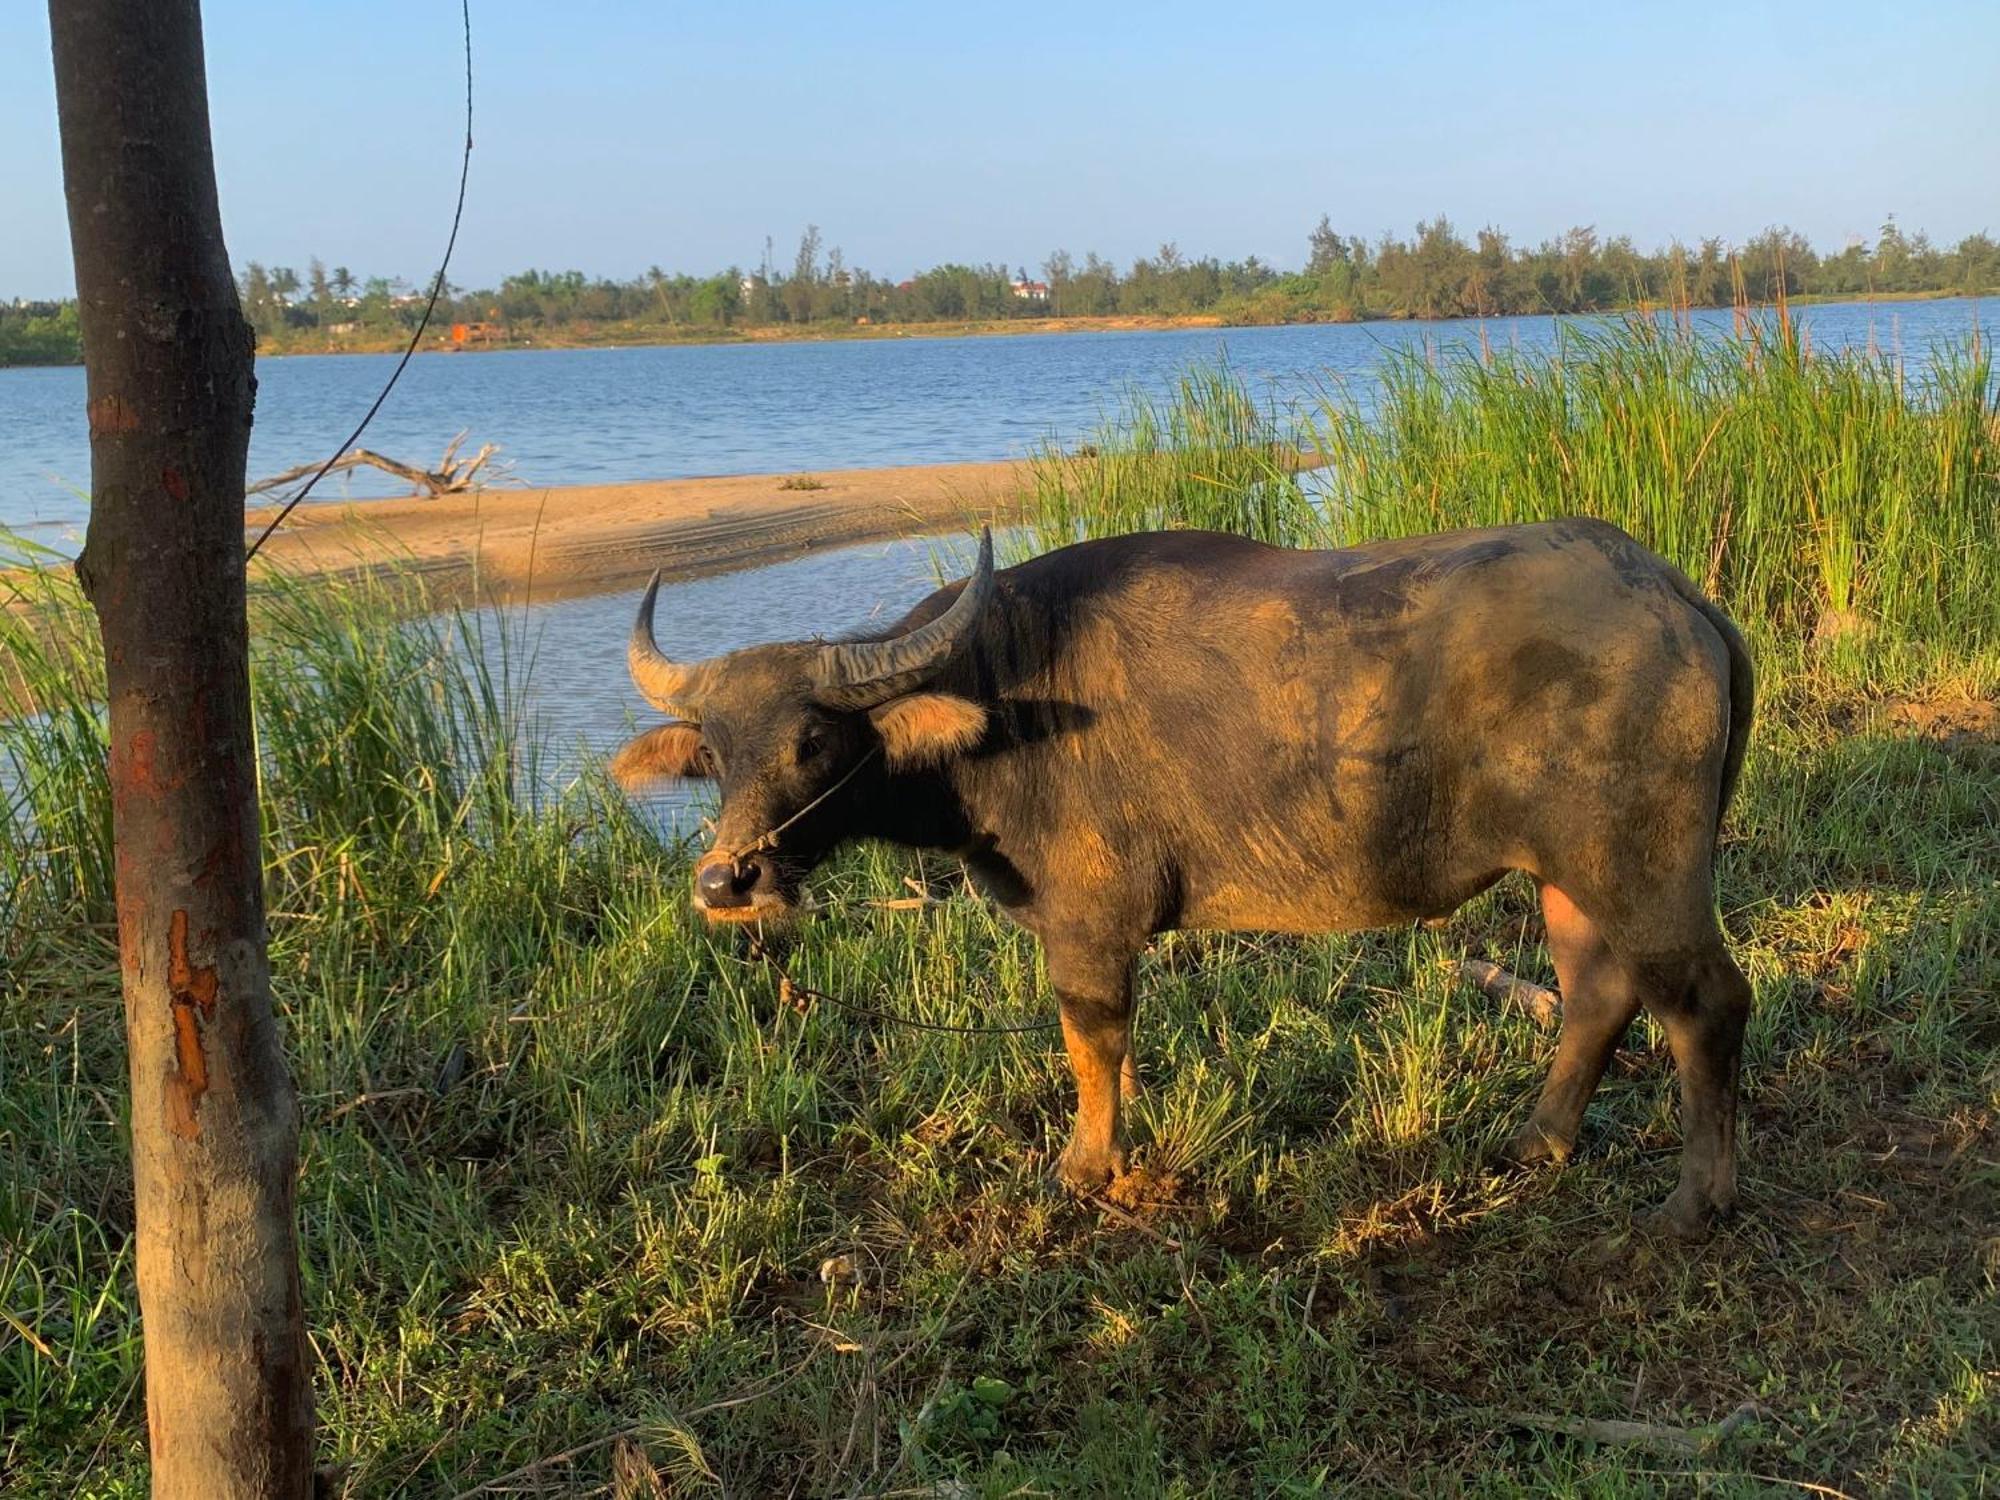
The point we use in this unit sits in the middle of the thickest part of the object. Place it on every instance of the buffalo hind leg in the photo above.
(1599, 1000)
(1095, 991)
(1703, 1003)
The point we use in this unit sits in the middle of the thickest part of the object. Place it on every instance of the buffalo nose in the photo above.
(721, 882)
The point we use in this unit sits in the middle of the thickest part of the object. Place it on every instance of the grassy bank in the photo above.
(66, 348)
(646, 334)
(571, 1175)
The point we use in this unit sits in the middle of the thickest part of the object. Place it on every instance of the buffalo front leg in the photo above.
(1095, 991)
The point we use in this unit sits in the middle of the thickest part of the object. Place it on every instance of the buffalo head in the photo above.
(788, 731)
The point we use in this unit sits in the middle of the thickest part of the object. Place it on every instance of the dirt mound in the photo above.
(1952, 722)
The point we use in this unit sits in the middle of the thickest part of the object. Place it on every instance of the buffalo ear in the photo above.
(668, 751)
(921, 729)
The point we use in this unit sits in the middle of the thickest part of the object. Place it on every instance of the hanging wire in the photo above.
(423, 323)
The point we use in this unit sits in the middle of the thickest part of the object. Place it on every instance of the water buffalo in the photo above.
(1190, 730)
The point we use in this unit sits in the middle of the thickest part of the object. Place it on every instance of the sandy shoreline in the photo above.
(550, 542)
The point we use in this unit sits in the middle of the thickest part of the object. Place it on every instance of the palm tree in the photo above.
(343, 282)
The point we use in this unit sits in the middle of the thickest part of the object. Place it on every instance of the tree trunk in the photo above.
(214, 1119)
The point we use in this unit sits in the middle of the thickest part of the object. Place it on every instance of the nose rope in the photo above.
(768, 839)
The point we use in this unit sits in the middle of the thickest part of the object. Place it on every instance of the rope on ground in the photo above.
(795, 995)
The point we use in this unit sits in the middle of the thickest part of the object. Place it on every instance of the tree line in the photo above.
(39, 333)
(1434, 273)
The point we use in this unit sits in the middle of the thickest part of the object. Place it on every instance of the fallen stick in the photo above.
(360, 1099)
(1540, 1005)
(636, 1429)
(1132, 1221)
(452, 475)
(1689, 1441)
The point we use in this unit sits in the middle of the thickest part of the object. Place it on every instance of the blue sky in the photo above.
(612, 135)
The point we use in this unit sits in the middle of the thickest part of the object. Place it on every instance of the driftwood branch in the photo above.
(452, 476)
(1540, 1005)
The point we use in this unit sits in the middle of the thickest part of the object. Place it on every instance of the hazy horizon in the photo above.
(913, 138)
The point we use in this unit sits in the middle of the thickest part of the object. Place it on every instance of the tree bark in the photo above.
(168, 358)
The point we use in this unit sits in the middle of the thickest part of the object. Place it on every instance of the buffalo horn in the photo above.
(673, 687)
(861, 674)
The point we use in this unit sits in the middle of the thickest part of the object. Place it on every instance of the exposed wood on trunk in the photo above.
(1540, 1005)
(452, 476)
(214, 1117)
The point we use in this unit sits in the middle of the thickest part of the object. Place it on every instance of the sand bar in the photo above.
(549, 542)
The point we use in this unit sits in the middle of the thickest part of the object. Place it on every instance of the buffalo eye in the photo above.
(809, 747)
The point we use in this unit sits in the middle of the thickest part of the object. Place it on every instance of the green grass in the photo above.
(1207, 455)
(571, 1172)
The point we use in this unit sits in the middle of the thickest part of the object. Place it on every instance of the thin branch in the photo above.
(1541, 1005)
(569, 1455)
(1692, 1441)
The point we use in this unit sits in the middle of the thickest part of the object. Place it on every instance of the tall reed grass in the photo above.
(1207, 454)
(1811, 493)
(421, 882)
(380, 736)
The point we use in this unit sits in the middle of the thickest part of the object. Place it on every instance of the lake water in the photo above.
(577, 416)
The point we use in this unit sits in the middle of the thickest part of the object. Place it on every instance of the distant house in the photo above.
(1032, 291)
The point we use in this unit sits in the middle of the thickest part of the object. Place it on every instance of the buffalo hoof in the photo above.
(1086, 1171)
(1688, 1215)
(1531, 1146)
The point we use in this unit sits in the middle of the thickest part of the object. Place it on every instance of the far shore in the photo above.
(668, 336)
